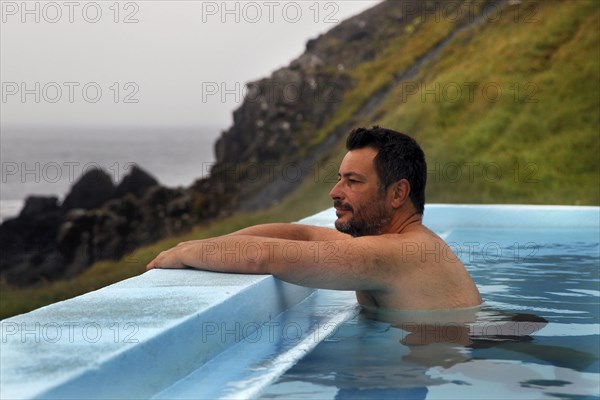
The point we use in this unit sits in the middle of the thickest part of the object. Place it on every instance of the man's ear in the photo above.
(400, 192)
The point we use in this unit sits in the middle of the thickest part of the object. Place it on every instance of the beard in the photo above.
(367, 220)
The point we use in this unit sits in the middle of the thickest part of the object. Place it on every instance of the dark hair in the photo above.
(398, 157)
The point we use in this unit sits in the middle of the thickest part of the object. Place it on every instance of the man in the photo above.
(380, 249)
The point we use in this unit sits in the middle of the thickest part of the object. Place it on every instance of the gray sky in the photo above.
(145, 63)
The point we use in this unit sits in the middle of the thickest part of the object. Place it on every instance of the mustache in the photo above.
(338, 204)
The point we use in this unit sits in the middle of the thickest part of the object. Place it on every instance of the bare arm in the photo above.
(349, 264)
(292, 232)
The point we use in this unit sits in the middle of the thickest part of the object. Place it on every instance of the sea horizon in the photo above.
(47, 161)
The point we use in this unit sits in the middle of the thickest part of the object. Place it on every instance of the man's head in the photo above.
(383, 171)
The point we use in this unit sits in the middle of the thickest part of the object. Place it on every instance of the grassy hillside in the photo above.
(539, 141)
(507, 112)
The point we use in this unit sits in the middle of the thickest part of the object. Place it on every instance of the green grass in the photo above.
(537, 146)
(539, 143)
(372, 76)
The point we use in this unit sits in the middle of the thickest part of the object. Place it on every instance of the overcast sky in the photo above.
(145, 63)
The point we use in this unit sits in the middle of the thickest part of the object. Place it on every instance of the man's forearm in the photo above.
(300, 262)
(230, 253)
(250, 250)
(324, 264)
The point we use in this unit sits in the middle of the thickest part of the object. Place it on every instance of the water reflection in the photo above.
(390, 354)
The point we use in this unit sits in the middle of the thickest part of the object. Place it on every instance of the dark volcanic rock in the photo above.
(87, 236)
(38, 205)
(92, 190)
(49, 242)
(137, 182)
(281, 116)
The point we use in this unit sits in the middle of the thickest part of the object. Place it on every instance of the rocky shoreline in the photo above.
(97, 220)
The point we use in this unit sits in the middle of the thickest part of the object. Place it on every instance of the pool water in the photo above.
(537, 336)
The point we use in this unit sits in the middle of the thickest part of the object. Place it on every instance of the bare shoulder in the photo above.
(419, 245)
(319, 233)
(426, 274)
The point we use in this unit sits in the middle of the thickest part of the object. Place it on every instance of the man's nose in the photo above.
(336, 192)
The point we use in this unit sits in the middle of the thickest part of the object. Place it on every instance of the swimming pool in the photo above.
(175, 334)
(535, 274)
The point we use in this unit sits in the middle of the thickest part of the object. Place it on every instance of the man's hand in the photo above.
(173, 258)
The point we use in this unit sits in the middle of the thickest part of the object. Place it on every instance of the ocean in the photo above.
(48, 161)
